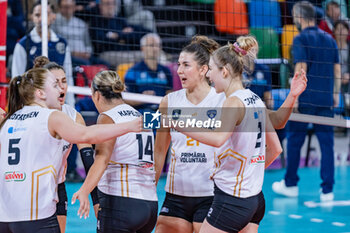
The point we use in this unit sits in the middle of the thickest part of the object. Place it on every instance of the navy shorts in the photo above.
(232, 214)
(125, 214)
(192, 209)
(46, 225)
(61, 206)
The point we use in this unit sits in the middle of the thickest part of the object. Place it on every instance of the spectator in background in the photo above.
(317, 53)
(15, 26)
(148, 76)
(29, 47)
(260, 82)
(134, 13)
(76, 32)
(341, 31)
(333, 14)
(110, 32)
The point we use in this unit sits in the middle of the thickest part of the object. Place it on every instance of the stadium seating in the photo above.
(123, 68)
(288, 34)
(268, 42)
(231, 17)
(264, 13)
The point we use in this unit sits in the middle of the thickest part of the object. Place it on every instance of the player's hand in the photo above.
(84, 207)
(136, 125)
(298, 84)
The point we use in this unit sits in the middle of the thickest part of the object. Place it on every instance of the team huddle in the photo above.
(221, 193)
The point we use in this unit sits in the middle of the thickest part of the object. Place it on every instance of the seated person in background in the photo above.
(110, 32)
(15, 26)
(76, 32)
(333, 14)
(259, 82)
(58, 50)
(134, 13)
(148, 76)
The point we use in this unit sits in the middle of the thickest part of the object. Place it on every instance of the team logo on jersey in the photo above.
(60, 47)
(211, 113)
(164, 210)
(151, 120)
(176, 114)
(12, 129)
(257, 159)
(15, 176)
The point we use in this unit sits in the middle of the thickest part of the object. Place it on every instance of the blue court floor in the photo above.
(283, 215)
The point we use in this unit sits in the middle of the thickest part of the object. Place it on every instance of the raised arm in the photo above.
(280, 117)
(163, 139)
(273, 145)
(232, 114)
(61, 125)
(103, 155)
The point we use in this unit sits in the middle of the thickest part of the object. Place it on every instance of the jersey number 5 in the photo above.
(13, 160)
(148, 150)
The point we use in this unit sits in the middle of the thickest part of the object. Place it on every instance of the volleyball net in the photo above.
(112, 30)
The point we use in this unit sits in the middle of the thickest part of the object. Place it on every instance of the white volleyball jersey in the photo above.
(130, 172)
(240, 162)
(191, 162)
(30, 158)
(67, 146)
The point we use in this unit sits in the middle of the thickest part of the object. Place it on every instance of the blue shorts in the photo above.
(232, 214)
(46, 225)
(192, 209)
(125, 214)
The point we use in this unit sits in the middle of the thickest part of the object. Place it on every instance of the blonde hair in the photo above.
(237, 57)
(109, 84)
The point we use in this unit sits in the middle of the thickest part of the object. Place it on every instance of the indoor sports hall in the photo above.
(306, 188)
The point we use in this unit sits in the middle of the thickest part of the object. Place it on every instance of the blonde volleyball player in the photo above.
(189, 189)
(85, 150)
(31, 151)
(123, 167)
(238, 203)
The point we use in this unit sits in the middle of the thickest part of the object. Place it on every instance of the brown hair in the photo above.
(202, 47)
(235, 57)
(44, 62)
(22, 88)
(109, 84)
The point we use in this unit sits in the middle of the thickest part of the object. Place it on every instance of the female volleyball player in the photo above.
(123, 167)
(189, 189)
(240, 161)
(31, 151)
(85, 150)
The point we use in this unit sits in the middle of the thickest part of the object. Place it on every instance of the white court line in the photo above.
(295, 216)
(338, 224)
(274, 212)
(317, 220)
(312, 204)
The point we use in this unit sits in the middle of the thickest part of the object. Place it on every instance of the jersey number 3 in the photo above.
(14, 160)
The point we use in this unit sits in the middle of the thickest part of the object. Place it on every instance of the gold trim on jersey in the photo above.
(242, 160)
(172, 171)
(121, 177)
(51, 170)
